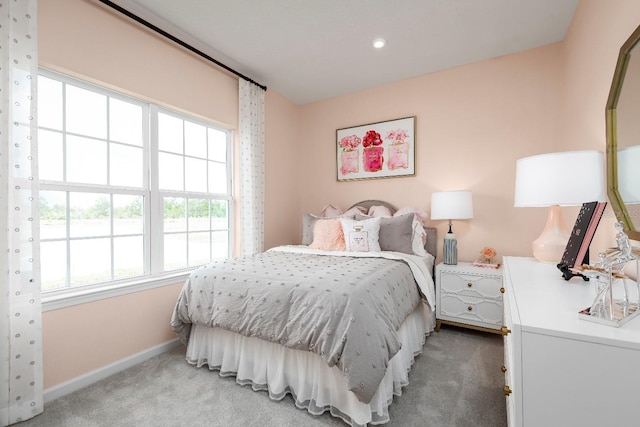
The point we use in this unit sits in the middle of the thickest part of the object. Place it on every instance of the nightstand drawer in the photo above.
(474, 310)
(471, 285)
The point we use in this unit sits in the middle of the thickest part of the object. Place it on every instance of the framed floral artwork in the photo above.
(376, 150)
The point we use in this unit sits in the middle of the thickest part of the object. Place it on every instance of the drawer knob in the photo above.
(507, 390)
(505, 331)
(469, 308)
(502, 290)
(503, 369)
(469, 284)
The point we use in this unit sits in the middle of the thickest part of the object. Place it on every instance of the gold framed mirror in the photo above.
(623, 137)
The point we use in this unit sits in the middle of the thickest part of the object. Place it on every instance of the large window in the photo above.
(127, 189)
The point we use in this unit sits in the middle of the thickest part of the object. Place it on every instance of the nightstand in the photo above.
(469, 296)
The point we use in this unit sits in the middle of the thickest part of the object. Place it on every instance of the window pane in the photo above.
(125, 167)
(217, 145)
(128, 256)
(49, 103)
(53, 215)
(86, 112)
(86, 160)
(50, 155)
(90, 261)
(170, 171)
(94, 146)
(89, 214)
(170, 136)
(219, 215)
(198, 214)
(195, 174)
(219, 245)
(125, 122)
(195, 140)
(199, 247)
(217, 178)
(175, 218)
(53, 265)
(175, 251)
(128, 214)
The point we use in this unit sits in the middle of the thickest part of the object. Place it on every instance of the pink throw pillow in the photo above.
(419, 213)
(328, 235)
(330, 211)
(354, 211)
(381, 211)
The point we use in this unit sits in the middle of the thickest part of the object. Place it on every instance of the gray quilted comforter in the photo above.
(346, 309)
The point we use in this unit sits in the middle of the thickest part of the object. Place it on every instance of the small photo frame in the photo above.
(376, 150)
(576, 252)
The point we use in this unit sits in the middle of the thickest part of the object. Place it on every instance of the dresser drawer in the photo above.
(476, 311)
(471, 285)
(509, 365)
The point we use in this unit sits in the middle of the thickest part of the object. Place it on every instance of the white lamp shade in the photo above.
(451, 205)
(566, 179)
(629, 174)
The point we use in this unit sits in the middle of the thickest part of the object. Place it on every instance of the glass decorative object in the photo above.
(617, 295)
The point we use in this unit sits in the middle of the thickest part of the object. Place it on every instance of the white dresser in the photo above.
(469, 296)
(561, 370)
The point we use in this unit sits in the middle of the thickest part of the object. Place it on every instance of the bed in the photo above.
(336, 329)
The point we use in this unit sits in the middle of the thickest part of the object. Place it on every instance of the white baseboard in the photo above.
(89, 378)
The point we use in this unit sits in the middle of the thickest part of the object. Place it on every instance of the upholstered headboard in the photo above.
(432, 232)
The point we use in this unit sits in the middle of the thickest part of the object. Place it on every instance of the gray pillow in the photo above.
(308, 221)
(396, 233)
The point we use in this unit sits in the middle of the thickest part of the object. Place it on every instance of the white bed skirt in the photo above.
(314, 386)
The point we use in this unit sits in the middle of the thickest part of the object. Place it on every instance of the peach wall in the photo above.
(86, 337)
(281, 171)
(472, 124)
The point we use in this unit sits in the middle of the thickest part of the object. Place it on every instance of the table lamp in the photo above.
(553, 180)
(451, 205)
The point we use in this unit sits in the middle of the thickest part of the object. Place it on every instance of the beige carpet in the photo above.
(455, 382)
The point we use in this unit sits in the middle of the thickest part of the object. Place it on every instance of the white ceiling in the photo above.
(308, 50)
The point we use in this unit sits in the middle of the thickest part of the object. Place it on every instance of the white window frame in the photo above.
(153, 196)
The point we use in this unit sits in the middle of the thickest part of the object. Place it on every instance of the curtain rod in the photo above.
(178, 41)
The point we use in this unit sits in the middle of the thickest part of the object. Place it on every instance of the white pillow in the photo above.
(361, 236)
(419, 238)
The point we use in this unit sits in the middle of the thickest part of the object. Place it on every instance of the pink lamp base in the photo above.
(550, 245)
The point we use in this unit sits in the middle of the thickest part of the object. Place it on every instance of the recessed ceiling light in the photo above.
(378, 43)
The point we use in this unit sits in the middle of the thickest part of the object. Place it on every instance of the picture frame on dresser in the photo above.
(576, 252)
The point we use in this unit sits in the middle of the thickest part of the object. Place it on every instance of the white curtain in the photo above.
(251, 132)
(20, 308)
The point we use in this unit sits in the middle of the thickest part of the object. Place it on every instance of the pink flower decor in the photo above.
(349, 142)
(488, 253)
(371, 138)
(398, 135)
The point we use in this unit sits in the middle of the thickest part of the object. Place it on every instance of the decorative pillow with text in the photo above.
(361, 236)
